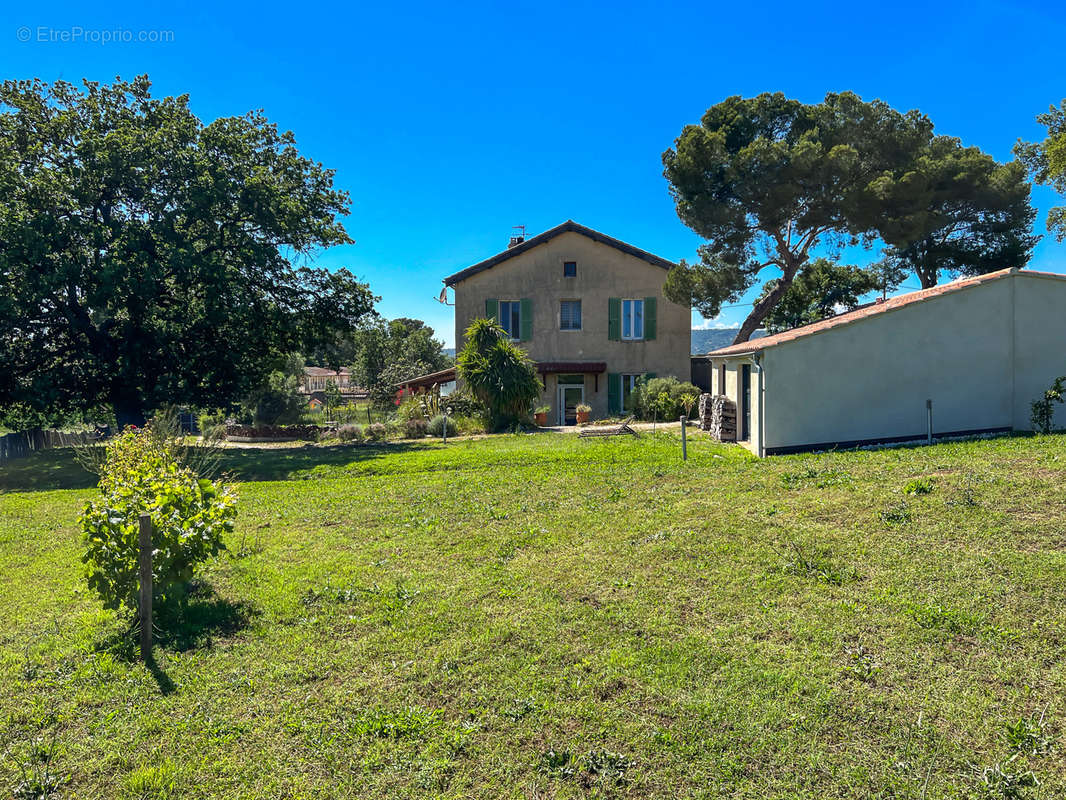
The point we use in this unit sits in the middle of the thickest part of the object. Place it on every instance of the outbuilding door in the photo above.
(745, 399)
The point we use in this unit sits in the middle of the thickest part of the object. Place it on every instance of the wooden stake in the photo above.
(684, 439)
(144, 557)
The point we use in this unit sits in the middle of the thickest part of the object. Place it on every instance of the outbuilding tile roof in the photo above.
(870, 310)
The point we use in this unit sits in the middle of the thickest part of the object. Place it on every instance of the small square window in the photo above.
(569, 269)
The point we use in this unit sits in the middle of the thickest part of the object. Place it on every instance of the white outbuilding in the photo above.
(961, 358)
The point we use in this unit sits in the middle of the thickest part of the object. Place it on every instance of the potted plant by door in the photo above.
(583, 412)
(540, 415)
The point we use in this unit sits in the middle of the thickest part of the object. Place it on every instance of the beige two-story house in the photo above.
(587, 308)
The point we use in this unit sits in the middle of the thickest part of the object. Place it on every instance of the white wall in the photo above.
(870, 379)
(981, 354)
(1040, 342)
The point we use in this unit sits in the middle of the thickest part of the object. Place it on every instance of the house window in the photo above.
(632, 319)
(511, 318)
(569, 269)
(570, 315)
(629, 391)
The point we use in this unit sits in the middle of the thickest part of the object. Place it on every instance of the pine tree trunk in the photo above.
(764, 307)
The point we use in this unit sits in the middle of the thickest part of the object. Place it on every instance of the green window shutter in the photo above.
(650, 376)
(492, 309)
(525, 320)
(650, 318)
(614, 319)
(614, 393)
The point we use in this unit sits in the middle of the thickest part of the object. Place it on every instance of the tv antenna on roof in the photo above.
(518, 235)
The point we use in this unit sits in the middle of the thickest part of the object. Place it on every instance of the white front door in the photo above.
(570, 397)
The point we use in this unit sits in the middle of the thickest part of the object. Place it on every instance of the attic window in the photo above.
(569, 269)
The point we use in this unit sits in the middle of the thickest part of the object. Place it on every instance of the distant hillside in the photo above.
(704, 341)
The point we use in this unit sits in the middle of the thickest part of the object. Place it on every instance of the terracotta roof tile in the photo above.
(870, 310)
(567, 227)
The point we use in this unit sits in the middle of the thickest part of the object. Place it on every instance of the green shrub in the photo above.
(1043, 410)
(436, 426)
(461, 404)
(211, 422)
(662, 398)
(414, 407)
(415, 428)
(468, 424)
(350, 433)
(278, 401)
(377, 432)
(189, 517)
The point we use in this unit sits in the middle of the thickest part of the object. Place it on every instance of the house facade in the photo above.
(587, 308)
(961, 358)
(317, 379)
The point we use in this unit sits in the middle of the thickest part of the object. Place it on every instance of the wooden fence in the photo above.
(17, 445)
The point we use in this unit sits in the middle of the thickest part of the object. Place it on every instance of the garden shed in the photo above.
(961, 358)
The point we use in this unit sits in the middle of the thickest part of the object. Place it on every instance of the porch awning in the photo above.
(545, 367)
(432, 379)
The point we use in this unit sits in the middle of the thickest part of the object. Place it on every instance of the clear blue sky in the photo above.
(450, 122)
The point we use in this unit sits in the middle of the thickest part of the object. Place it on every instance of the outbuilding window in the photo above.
(569, 269)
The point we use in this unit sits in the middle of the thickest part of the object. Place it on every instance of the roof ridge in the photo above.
(570, 226)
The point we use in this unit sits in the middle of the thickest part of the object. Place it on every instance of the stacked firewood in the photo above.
(723, 419)
(706, 401)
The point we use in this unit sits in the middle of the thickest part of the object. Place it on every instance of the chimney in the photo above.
(518, 235)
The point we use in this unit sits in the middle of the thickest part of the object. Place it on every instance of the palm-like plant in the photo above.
(498, 373)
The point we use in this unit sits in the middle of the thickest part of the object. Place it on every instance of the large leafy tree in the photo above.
(1047, 162)
(147, 258)
(822, 290)
(956, 211)
(767, 179)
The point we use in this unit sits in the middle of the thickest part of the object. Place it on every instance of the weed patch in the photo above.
(919, 486)
(815, 562)
(945, 620)
(896, 515)
(405, 723)
(861, 664)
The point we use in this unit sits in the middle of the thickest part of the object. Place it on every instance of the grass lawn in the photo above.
(545, 616)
